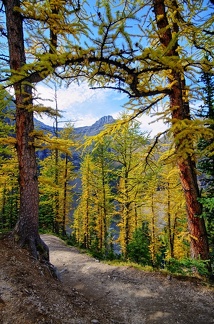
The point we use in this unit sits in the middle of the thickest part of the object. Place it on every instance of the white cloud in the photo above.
(80, 104)
(151, 125)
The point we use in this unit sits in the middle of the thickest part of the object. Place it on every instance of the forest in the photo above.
(133, 198)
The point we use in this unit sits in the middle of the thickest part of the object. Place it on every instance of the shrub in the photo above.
(188, 266)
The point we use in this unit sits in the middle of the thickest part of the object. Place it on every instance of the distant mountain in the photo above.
(92, 130)
(41, 126)
(96, 128)
(83, 131)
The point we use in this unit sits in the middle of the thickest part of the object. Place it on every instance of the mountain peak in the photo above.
(96, 127)
(103, 120)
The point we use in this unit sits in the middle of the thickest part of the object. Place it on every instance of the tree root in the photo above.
(37, 249)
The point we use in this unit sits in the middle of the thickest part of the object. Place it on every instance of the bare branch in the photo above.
(153, 146)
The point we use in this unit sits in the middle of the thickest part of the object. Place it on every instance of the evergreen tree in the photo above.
(138, 249)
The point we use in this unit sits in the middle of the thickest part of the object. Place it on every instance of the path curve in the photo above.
(124, 295)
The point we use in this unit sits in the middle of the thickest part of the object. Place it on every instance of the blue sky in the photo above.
(84, 106)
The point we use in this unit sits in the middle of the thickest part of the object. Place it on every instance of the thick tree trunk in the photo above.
(180, 111)
(198, 235)
(26, 230)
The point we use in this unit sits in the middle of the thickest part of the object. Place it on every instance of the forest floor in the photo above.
(94, 292)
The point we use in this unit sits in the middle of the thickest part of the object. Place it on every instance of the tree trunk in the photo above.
(153, 234)
(180, 111)
(56, 197)
(198, 235)
(65, 196)
(26, 230)
(170, 239)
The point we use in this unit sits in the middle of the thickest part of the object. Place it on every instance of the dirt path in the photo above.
(129, 296)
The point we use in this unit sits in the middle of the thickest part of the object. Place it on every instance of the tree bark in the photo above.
(180, 111)
(26, 230)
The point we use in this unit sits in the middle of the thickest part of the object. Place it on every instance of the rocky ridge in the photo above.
(83, 131)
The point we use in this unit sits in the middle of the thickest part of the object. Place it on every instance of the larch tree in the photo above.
(9, 202)
(85, 212)
(126, 152)
(153, 211)
(26, 230)
(47, 190)
(67, 175)
(9, 190)
(103, 175)
(173, 204)
(55, 216)
(26, 45)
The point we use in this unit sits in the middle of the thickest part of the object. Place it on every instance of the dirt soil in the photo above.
(94, 292)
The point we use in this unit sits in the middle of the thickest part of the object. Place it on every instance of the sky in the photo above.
(83, 106)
